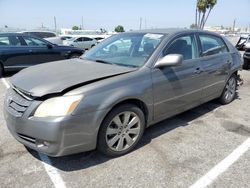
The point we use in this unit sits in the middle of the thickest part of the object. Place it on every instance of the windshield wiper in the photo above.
(103, 61)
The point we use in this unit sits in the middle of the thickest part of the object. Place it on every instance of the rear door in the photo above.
(79, 43)
(179, 88)
(88, 42)
(216, 62)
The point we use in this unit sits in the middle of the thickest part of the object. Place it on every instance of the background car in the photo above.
(19, 51)
(246, 56)
(243, 40)
(40, 34)
(81, 42)
(47, 35)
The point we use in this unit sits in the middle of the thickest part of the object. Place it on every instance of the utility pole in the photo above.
(140, 22)
(145, 23)
(55, 23)
(234, 25)
(82, 23)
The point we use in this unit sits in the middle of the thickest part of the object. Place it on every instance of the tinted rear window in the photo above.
(9, 41)
(212, 45)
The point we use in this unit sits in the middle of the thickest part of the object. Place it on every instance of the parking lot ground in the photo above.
(174, 153)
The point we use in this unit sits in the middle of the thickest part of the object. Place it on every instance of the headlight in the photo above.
(58, 106)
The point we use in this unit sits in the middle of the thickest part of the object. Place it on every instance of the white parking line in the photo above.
(5, 82)
(221, 167)
(51, 171)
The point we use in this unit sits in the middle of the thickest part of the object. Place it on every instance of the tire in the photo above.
(1, 70)
(246, 64)
(229, 91)
(72, 56)
(121, 130)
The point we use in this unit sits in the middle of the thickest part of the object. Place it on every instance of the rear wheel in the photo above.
(229, 92)
(246, 64)
(121, 130)
(1, 70)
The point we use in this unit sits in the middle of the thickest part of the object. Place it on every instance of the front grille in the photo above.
(16, 103)
(27, 138)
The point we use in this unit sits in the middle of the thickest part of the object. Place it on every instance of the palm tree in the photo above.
(202, 6)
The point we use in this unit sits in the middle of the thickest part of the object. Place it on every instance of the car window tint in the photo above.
(87, 39)
(30, 41)
(212, 45)
(14, 41)
(4, 41)
(185, 45)
(79, 39)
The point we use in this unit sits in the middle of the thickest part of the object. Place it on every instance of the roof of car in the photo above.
(172, 31)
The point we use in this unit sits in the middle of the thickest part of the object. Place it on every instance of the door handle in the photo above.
(198, 70)
(30, 51)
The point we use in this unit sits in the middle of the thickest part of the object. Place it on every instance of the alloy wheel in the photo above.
(230, 89)
(123, 131)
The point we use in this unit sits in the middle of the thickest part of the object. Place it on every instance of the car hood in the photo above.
(56, 77)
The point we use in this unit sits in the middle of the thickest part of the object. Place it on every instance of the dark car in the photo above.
(19, 51)
(243, 40)
(246, 56)
(107, 98)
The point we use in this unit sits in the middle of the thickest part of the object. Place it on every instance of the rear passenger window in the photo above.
(212, 45)
(87, 39)
(10, 41)
(185, 45)
(79, 39)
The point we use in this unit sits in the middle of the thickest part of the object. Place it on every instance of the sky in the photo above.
(96, 14)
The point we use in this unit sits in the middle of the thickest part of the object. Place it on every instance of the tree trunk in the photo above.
(206, 17)
(202, 19)
(198, 25)
(196, 18)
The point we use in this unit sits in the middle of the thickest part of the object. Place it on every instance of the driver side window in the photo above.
(30, 41)
(185, 46)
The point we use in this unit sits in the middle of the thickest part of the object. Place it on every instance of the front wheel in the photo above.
(1, 71)
(229, 92)
(121, 130)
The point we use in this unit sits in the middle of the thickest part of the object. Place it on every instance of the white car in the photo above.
(81, 42)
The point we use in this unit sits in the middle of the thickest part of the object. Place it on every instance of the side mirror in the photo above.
(49, 46)
(169, 60)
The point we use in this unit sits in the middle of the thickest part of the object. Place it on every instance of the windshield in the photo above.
(128, 49)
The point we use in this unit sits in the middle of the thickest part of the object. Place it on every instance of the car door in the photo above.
(79, 43)
(13, 54)
(41, 50)
(216, 61)
(176, 89)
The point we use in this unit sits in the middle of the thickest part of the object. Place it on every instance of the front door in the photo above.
(179, 88)
(40, 51)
